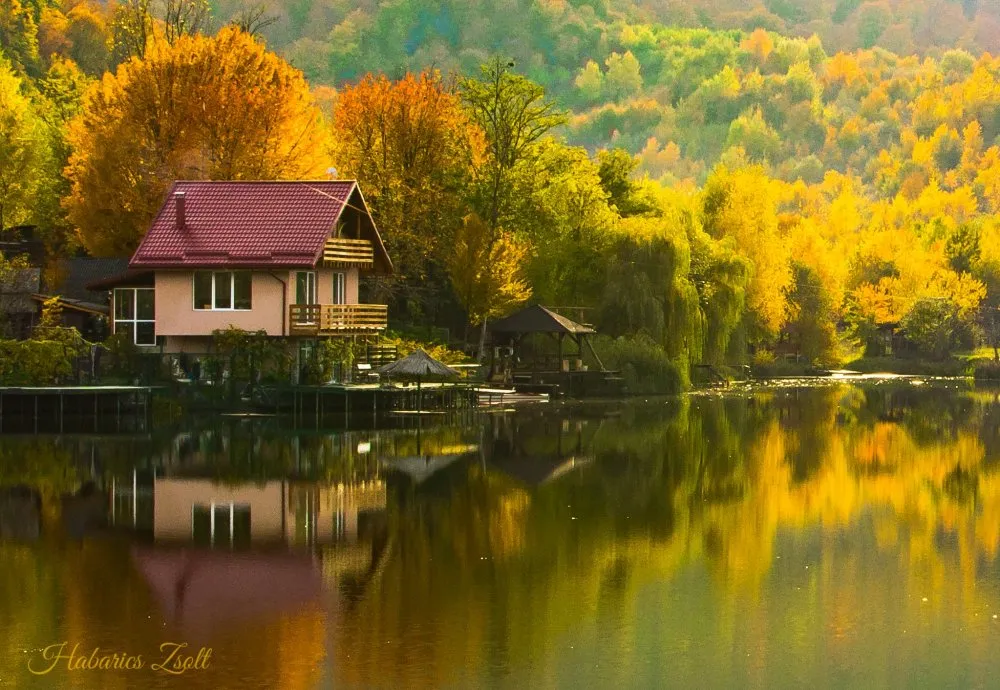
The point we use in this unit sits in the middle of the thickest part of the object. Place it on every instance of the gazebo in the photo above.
(565, 370)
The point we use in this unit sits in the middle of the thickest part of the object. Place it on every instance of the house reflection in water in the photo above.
(210, 513)
(297, 514)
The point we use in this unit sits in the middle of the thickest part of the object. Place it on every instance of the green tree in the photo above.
(514, 114)
(624, 77)
(590, 82)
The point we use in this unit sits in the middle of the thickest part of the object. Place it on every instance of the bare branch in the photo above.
(253, 20)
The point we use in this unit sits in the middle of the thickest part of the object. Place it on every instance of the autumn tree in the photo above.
(219, 108)
(19, 36)
(487, 272)
(23, 151)
(739, 205)
(412, 147)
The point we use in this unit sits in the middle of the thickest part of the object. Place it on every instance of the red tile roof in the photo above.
(250, 224)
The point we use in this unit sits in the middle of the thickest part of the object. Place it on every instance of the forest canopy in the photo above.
(713, 181)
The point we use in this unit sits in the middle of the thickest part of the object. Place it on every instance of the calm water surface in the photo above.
(839, 536)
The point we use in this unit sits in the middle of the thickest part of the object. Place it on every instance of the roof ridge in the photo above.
(338, 181)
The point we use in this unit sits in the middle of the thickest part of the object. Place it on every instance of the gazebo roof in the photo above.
(538, 319)
(418, 364)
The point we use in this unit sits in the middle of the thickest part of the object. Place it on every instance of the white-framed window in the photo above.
(222, 290)
(135, 314)
(220, 524)
(339, 288)
(305, 287)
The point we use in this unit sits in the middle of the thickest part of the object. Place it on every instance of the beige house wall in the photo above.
(181, 324)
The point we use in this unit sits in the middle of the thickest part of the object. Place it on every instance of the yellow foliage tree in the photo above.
(218, 108)
(741, 205)
(487, 275)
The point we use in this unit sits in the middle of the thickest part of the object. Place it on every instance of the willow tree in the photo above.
(219, 108)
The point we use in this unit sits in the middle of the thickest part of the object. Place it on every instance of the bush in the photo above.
(644, 364)
(251, 355)
(985, 369)
(440, 352)
(931, 326)
(326, 356)
(123, 356)
(36, 362)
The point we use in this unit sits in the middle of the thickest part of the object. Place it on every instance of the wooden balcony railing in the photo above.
(344, 252)
(336, 319)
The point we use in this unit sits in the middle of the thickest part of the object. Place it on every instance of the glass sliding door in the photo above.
(305, 287)
(305, 294)
(340, 288)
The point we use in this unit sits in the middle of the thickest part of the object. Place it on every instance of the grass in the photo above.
(953, 366)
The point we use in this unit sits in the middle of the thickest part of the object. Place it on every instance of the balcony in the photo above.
(337, 319)
(339, 252)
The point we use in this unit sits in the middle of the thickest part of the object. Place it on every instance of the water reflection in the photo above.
(839, 535)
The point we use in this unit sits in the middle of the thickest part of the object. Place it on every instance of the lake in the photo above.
(841, 535)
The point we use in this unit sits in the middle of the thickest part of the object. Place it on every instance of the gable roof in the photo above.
(537, 319)
(249, 224)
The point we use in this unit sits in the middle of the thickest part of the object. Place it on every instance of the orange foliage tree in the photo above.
(412, 148)
(219, 108)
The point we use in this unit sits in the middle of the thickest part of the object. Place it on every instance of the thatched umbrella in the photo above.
(417, 366)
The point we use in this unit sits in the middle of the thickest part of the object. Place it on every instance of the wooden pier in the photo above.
(75, 409)
(369, 401)
(129, 409)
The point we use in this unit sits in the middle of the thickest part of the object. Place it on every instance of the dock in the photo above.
(76, 408)
(129, 409)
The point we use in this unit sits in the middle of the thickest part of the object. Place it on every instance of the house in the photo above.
(203, 511)
(283, 257)
(82, 308)
(18, 312)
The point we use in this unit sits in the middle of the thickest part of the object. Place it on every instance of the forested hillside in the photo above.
(707, 193)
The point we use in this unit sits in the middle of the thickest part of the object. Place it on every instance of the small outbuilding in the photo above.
(539, 350)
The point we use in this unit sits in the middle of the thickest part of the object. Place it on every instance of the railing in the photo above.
(336, 319)
(344, 252)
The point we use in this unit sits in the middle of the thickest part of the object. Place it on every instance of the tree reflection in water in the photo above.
(786, 532)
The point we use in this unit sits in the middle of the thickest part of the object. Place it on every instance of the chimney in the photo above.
(181, 221)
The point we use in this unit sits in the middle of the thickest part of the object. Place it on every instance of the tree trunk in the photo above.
(482, 343)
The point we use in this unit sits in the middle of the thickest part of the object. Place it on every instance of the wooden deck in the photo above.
(337, 319)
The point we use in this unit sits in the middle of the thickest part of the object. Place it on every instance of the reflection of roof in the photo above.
(537, 319)
(252, 224)
(535, 471)
(420, 467)
(199, 589)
